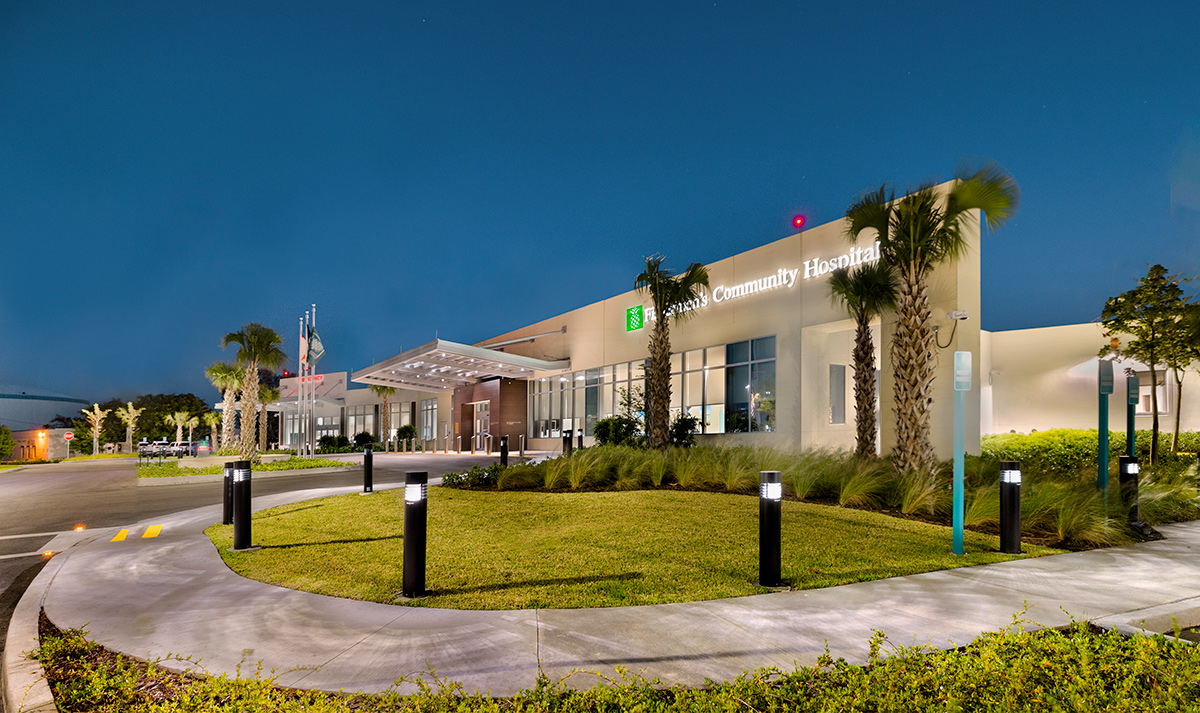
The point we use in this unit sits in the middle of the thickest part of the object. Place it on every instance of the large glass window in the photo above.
(359, 419)
(728, 387)
(837, 393)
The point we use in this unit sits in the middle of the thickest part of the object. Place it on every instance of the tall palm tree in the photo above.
(228, 380)
(670, 294)
(212, 419)
(865, 291)
(191, 426)
(179, 420)
(916, 234)
(266, 395)
(385, 415)
(96, 419)
(257, 346)
(129, 415)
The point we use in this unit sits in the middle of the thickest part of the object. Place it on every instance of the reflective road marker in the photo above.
(152, 531)
(119, 536)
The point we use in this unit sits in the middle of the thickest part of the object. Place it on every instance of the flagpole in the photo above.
(308, 425)
(313, 371)
(300, 430)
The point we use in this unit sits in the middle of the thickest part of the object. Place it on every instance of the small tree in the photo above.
(385, 412)
(865, 292)
(95, 419)
(673, 297)
(179, 420)
(1181, 351)
(129, 415)
(1150, 315)
(7, 443)
(212, 419)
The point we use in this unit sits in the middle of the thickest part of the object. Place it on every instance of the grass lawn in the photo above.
(515, 550)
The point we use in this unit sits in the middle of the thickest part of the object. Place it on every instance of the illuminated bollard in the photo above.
(1010, 507)
(1128, 475)
(581, 439)
(566, 443)
(415, 511)
(770, 495)
(504, 451)
(368, 467)
(227, 496)
(241, 505)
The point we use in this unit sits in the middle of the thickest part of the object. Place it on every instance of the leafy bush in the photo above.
(363, 439)
(1072, 452)
(618, 431)
(683, 430)
(477, 476)
(1011, 671)
(406, 432)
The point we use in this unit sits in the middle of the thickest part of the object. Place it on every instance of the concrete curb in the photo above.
(23, 679)
(218, 477)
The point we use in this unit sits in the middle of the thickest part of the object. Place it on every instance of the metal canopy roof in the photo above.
(443, 366)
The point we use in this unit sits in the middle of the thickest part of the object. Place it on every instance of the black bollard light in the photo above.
(566, 443)
(368, 475)
(581, 439)
(770, 495)
(1128, 475)
(227, 500)
(504, 451)
(1010, 507)
(241, 505)
(415, 511)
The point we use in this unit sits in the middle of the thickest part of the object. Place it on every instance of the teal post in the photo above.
(1106, 388)
(1131, 399)
(962, 384)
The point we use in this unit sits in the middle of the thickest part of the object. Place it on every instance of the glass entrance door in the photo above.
(483, 425)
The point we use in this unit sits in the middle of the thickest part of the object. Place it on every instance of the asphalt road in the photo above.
(37, 502)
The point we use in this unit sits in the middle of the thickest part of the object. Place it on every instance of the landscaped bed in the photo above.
(515, 550)
(1080, 669)
(170, 468)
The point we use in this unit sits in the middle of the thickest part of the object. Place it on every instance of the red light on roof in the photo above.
(798, 221)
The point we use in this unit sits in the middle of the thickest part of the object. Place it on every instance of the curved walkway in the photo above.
(172, 594)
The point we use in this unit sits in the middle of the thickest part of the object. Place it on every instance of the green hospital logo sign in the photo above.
(634, 318)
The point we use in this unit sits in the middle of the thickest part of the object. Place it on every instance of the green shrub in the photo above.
(618, 431)
(477, 476)
(363, 439)
(683, 430)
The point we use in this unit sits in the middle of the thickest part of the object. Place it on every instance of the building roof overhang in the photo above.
(440, 366)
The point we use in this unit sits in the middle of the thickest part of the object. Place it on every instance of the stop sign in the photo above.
(69, 435)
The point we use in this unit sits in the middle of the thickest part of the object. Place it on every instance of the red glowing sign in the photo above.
(798, 221)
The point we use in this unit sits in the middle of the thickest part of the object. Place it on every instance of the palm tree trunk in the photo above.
(262, 427)
(864, 388)
(658, 383)
(912, 360)
(385, 423)
(227, 416)
(248, 445)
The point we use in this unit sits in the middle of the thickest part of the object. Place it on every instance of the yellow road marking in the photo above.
(119, 536)
(152, 531)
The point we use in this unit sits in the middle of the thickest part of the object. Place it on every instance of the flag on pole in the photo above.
(303, 351)
(316, 350)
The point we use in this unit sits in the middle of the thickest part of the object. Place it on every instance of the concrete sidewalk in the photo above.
(172, 594)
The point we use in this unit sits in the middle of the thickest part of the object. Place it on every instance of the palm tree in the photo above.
(129, 415)
(266, 395)
(385, 415)
(917, 233)
(257, 346)
(212, 419)
(96, 419)
(865, 291)
(670, 295)
(179, 420)
(191, 426)
(228, 380)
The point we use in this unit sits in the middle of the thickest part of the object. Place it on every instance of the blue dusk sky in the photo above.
(170, 170)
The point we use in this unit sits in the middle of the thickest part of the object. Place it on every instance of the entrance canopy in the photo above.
(443, 366)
